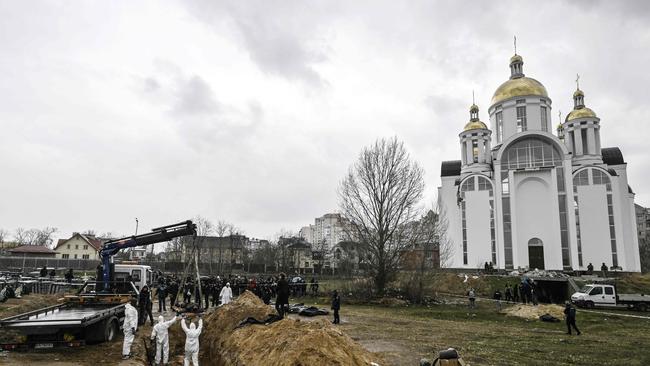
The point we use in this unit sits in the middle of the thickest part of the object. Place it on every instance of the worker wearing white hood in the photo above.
(192, 342)
(130, 326)
(226, 294)
(160, 333)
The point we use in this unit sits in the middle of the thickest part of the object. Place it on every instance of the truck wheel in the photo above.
(111, 329)
(589, 304)
(642, 307)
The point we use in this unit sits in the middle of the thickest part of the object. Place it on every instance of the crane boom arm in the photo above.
(157, 235)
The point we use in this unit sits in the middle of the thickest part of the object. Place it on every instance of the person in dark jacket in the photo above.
(43, 272)
(570, 317)
(69, 275)
(336, 306)
(173, 291)
(161, 292)
(144, 306)
(283, 295)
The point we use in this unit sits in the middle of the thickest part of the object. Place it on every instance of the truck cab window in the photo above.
(136, 274)
(609, 291)
(596, 291)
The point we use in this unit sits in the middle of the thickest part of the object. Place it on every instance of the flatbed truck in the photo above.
(96, 313)
(603, 295)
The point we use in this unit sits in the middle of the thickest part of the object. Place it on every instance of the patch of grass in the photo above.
(485, 337)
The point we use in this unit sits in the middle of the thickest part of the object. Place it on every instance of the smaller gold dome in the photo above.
(583, 112)
(578, 93)
(475, 125)
(516, 58)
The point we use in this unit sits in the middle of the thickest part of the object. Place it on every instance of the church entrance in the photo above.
(535, 253)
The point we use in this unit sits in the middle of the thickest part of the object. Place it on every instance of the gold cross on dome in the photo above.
(577, 81)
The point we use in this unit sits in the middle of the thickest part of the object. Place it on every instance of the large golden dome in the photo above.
(518, 87)
(583, 112)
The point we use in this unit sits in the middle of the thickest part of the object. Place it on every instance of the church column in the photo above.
(568, 139)
(481, 151)
(463, 151)
(577, 135)
(591, 140)
(470, 155)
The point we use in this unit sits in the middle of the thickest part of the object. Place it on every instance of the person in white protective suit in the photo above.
(160, 333)
(192, 342)
(226, 294)
(130, 326)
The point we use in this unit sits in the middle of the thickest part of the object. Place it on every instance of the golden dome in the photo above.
(515, 58)
(474, 125)
(518, 87)
(578, 93)
(583, 112)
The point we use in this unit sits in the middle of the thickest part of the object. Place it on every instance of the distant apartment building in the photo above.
(79, 246)
(327, 230)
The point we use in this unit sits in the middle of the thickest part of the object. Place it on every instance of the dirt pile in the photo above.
(534, 312)
(288, 342)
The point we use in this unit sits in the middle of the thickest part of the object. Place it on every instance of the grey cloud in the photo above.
(279, 36)
(199, 118)
(194, 97)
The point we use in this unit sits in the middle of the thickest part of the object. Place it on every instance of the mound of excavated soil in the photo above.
(534, 312)
(285, 343)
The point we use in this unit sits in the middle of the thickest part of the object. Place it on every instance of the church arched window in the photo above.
(531, 153)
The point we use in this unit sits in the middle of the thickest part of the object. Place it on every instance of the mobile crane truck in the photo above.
(96, 313)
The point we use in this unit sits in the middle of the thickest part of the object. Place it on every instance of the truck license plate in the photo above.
(43, 345)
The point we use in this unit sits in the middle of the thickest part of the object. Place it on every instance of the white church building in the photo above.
(523, 197)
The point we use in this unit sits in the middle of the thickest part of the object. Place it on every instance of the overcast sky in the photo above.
(252, 111)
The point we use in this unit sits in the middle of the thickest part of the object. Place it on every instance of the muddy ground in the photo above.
(403, 335)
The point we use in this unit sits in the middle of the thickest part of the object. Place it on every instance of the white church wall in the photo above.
(625, 218)
(447, 199)
(477, 210)
(536, 216)
(594, 225)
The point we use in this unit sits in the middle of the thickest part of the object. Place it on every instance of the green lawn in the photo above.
(483, 337)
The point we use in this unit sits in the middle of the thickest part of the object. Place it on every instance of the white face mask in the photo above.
(161, 319)
(192, 326)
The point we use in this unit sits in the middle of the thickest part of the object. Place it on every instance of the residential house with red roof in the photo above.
(79, 246)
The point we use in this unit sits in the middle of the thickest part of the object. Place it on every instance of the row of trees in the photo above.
(24, 236)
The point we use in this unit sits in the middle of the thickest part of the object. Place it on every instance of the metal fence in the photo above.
(29, 264)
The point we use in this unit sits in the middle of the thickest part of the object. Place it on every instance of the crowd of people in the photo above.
(217, 290)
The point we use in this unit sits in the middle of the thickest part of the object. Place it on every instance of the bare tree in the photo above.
(319, 253)
(379, 196)
(221, 229)
(35, 236)
(203, 228)
(3, 235)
